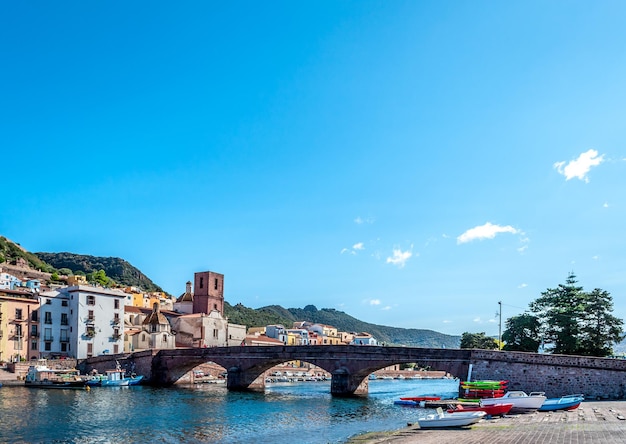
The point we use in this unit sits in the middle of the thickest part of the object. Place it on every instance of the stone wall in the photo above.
(556, 375)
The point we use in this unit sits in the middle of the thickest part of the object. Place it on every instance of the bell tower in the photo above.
(208, 294)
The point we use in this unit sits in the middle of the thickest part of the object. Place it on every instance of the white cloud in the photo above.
(487, 231)
(580, 167)
(606, 205)
(522, 286)
(359, 220)
(445, 321)
(399, 257)
(356, 247)
(388, 307)
(522, 248)
(596, 257)
(477, 320)
(374, 301)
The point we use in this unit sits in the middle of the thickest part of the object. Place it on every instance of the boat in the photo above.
(491, 410)
(441, 419)
(568, 402)
(520, 400)
(114, 378)
(42, 376)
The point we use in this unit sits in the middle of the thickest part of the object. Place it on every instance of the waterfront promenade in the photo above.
(597, 422)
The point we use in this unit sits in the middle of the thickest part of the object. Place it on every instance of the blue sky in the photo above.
(411, 163)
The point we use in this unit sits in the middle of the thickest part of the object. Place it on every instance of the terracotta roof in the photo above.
(156, 317)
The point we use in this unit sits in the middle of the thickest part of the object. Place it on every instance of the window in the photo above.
(34, 316)
(64, 303)
(201, 282)
(33, 330)
(47, 317)
(165, 339)
(90, 315)
(48, 301)
(116, 303)
(64, 337)
(63, 346)
(90, 332)
(215, 307)
(33, 345)
(89, 350)
(47, 334)
(18, 331)
(47, 346)
(18, 314)
(91, 299)
(215, 332)
(64, 319)
(116, 333)
(116, 318)
(215, 284)
(116, 349)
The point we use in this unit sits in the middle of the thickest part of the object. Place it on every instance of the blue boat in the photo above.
(114, 378)
(569, 402)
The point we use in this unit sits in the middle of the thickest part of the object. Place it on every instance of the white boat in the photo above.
(520, 400)
(456, 419)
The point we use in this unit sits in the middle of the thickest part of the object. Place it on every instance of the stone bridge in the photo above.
(350, 366)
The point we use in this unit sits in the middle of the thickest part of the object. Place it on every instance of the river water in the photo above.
(302, 412)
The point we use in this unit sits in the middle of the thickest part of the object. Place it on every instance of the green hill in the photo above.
(275, 314)
(121, 271)
(11, 251)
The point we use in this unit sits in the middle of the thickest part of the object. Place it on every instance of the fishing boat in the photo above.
(41, 376)
(114, 378)
(521, 401)
(491, 410)
(568, 402)
(441, 419)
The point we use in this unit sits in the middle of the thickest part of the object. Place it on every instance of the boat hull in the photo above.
(491, 410)
(564, 403)
(521, 401)
(442, 420)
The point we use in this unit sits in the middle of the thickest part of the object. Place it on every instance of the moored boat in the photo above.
(568, 402)
(114, 378)
(521, 401)
(441, 419)
(491, 410)
(41, 376)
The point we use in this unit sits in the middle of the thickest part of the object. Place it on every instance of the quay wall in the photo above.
(556, 375)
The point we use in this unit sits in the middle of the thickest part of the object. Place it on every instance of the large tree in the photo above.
(478, 340)
(522, 333)
(577, 323)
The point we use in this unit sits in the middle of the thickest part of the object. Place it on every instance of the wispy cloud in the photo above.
(363, 220)
(487, 231)
(387, 307)
(352, 250)
(374, 301)
(579, 167)
(522, 286)
(399, 257)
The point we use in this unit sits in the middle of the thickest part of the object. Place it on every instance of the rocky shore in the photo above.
(597, 422)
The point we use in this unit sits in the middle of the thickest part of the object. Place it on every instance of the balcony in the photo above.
(115, 322)
(34, 334)
(90, 320)
(64, 339)
(48, 338)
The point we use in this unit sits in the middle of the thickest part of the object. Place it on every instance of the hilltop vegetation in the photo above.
(10, 252)
(275, 314)
(119, 270)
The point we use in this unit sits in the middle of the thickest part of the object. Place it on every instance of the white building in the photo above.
(81, 321)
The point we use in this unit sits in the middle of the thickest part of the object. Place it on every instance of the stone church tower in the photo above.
(208, 294)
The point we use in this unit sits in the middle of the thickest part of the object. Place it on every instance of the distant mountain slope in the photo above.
(275, 314)
(121, 271)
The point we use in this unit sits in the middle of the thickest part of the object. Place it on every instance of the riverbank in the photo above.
(597, 422)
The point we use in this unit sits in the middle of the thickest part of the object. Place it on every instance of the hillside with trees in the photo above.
(275, 314)
(121, 272)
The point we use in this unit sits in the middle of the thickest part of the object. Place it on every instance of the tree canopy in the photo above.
(522, 333)
(571, 321)
(478, 340)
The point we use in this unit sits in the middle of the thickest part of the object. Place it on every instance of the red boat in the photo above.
(492, 410)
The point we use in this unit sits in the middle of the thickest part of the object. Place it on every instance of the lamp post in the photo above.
(500, 326)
